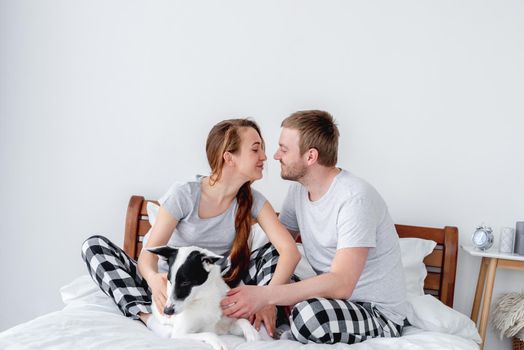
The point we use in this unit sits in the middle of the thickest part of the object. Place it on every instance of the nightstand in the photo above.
(491, 260)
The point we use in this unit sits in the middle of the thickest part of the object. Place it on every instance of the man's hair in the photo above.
(318, 130)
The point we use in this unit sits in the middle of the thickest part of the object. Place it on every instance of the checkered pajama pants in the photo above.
(331, 321)
(118, 276)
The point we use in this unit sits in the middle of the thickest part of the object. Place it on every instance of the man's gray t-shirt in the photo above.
(215, 234)
(351, 214)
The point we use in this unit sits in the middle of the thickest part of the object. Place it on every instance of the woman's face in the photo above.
(249, 160)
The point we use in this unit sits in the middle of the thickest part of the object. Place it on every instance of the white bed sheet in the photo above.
(90, 320)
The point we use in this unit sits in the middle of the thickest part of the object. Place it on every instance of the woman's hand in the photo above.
(267, 315)
(158, 284)
(161, 232)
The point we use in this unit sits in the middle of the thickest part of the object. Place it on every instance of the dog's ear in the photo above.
(165, 251)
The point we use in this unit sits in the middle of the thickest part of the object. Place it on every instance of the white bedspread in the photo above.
(90, 320)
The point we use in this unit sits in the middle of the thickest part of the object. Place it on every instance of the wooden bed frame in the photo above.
(441, 263)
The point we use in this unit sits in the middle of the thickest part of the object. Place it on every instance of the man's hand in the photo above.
(244, 301)
(267, 315)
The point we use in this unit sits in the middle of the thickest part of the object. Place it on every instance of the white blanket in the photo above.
(90, 320)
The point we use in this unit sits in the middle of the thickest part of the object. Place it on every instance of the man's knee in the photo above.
(305, 322)
(313, 320)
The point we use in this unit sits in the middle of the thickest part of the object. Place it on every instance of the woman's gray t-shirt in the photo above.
(216, 233)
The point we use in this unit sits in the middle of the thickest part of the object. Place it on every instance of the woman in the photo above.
(215, 212)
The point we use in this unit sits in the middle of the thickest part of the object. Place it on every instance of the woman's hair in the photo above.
(317, 129)
(225, 137)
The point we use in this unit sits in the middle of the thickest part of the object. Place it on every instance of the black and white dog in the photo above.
(194, 290)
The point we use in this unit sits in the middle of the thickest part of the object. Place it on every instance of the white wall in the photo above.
(100, 100)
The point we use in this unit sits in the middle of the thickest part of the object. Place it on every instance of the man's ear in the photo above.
(312, 156)
(164, 251)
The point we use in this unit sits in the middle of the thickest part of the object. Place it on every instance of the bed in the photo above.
(90, 320)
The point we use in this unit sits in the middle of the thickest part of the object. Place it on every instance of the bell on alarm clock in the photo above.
(482, 237)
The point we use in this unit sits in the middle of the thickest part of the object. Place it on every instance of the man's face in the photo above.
(293, 166)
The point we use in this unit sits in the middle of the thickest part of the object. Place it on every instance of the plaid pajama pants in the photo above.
(117, 274)
(331, 321)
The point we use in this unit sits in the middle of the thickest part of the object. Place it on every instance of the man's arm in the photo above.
(339, 283)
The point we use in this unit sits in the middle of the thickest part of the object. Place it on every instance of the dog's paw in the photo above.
(263, 334)
(157, 327)
(251, 334)
(248, 331)
(215, 343)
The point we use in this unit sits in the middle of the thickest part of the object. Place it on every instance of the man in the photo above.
(348, 237)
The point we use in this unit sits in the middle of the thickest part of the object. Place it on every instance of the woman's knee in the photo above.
(265, 252)
(93, 244)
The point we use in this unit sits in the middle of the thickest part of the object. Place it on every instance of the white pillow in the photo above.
(412, 252)
(79, 288)
(430, 314)
(84, 291)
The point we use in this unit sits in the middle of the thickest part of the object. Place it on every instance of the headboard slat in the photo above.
(143, 226)
(435, 259)
(432, 281)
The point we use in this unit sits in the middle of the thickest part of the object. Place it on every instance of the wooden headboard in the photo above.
(441, 264)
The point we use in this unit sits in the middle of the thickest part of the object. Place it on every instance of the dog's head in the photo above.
(189, 268)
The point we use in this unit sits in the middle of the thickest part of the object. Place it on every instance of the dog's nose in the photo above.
(169, 310)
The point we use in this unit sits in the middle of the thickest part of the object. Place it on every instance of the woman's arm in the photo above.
(288, 259)
(283, 242)
(162, 230)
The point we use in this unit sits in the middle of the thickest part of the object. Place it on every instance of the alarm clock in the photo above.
(482, 237)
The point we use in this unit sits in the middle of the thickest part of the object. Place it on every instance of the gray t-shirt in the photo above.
(216, 233)
(351, 214)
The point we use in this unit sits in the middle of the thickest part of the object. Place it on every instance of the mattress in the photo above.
(90, 320)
